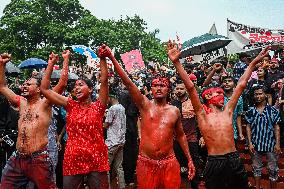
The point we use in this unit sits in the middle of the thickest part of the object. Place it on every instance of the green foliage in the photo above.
(233, 57)
(34, 28)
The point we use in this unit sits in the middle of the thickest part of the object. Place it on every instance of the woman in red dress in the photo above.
(86, 153)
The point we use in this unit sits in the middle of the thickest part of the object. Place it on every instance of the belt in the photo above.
(33, 154)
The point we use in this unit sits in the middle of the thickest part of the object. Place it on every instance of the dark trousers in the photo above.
(20, 169)
(226, 172)
(197, 161)
(130, 155)
(95, 180)
(59, 167)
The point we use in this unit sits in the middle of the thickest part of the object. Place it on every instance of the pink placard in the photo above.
(133, 61)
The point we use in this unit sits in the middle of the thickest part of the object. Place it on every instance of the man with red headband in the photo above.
(224, 168)
(157, 166)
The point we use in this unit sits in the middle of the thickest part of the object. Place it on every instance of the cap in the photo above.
(275, 60)
(192, 77)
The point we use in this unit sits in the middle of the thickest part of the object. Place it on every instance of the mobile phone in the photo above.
(8, 140)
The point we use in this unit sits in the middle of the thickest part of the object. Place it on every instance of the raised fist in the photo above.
(53, 58)
(104, 51)
(66, 54)
(4, 58)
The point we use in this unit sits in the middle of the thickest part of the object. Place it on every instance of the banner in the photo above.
(206, 57)
(246, 38)
(133, 61)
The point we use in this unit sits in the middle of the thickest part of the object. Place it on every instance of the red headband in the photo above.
(163, 80)
(211, 90)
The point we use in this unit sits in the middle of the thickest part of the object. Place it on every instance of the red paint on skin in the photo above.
(162, 80)
(211, 91)
(217, 99)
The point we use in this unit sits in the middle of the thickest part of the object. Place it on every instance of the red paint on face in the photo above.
(163, 80)
(214, 96)
(81, 89)
(160, 87)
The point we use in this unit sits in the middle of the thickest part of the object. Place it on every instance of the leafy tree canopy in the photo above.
(34, 28)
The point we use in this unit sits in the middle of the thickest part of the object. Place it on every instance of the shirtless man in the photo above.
(224, 168)
(30, 162)
(157, 166)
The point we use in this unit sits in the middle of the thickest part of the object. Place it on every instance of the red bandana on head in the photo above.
(165, 81)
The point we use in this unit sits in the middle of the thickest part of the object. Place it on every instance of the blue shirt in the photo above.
(237, 111)
(262, 127)
(239, 70)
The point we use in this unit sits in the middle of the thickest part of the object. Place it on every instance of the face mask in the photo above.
(216, 100)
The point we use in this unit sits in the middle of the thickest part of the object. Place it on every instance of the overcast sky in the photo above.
(189, 18)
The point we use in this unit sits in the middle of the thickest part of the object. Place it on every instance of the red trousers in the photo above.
(158, 174)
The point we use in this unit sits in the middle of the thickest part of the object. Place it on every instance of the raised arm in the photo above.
(244, 79)
(174, 55)
(8, 93)
(61, 85)
(138, 98)
(104, 52)
(208, 80)
(50, 95)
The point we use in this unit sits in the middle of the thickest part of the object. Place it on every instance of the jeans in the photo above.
(96, 180)
(115, 156)
(35, 167)
(272, 164)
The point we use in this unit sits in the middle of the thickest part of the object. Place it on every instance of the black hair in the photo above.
(88, 82)
(179, 81)
(38, 80)
(257, 87)
(228, 77)
(243, 55)
(269, 57)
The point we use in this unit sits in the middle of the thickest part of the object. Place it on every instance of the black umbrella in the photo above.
(12, 69)
(203, 44)
(57, 73)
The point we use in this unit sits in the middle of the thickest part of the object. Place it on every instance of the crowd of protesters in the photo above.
(109, 127)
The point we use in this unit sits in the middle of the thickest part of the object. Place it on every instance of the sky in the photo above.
(188, 18)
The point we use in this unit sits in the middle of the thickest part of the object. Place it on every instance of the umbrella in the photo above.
(33, 63)
(203, 44)
(83, 50)
(12, 69)
(57, 73)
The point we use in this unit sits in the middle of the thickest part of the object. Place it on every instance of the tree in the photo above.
(34, 28)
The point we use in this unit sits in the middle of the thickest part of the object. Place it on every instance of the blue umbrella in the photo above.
(82, 49)
(33, 63)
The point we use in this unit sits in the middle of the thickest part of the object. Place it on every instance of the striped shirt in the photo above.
(262, 127)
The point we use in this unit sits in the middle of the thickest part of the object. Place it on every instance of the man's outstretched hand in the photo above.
(191, 170)
(262, 54)
(4, 58)
(173, 51)
(66, 54)
(104, 51)
(53, 58)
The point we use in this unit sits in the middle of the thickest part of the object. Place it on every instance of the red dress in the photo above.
(85, 150)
